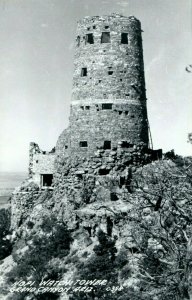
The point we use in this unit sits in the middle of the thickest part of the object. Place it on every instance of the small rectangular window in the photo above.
(83, 144)
(89, 38)
(107, 145)
(87, 107)
(107, 106)
(104, 171)
(46, 179)
(126, 145)
(114, 197)
(110, 72)
(122, 181)
(124, 38)
(78, 41)
(105, 37)
(83, 72)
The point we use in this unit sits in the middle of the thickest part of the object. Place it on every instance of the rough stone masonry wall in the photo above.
(91, 192)
(40, 162)
(124, 60)
(124, 122)
(114, 76)
(75, 177)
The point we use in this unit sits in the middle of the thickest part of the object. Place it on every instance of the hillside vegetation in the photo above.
(130, 228)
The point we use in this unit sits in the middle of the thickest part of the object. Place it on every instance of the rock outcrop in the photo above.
(138, 204)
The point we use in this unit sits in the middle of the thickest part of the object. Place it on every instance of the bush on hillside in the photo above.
(5, 244)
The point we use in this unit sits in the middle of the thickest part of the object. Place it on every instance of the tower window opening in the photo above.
(94, 27)
(106, 27)
(37, 161)
(105, 37)
(83, 72)
(109, 226)
(83, 144)
(87, 107)
(107, 106)
(107, 145)
(114, 197)
(126, 145)
(122, 181)
(89, 38)
(126, 112)
(82, 107)
(78, 41)
(110, 72)
(66, 147)
(46, 179)
(104, 171)
(124, 38)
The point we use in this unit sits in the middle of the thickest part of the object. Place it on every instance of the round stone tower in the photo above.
(108, 107)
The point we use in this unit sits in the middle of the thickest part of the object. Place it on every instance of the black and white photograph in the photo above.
(96, 150)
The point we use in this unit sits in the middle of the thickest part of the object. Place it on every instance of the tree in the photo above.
(161, 227)
(103, 264)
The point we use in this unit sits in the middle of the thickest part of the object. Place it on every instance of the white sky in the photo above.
(36, 67)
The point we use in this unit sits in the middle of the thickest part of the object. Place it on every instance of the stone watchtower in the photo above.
(108, 107)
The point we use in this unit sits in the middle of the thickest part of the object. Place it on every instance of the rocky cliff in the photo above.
(136, 212)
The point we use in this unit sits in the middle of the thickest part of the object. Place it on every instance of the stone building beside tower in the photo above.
(108, 105)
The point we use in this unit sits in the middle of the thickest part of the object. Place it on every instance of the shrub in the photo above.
(34, 263)
(102, 266)
(170, 154)
(5, 244)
